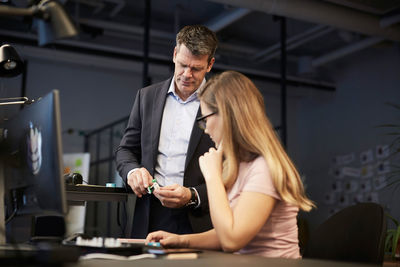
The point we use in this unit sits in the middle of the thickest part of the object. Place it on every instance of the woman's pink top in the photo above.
(278, 237)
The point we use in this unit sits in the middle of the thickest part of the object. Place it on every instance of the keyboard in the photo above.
(69, 251)
(105, 245)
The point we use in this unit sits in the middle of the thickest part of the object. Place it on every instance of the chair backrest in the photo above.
(356, 233)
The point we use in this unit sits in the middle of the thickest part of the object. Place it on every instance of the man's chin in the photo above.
(186, 84)
(187, 88)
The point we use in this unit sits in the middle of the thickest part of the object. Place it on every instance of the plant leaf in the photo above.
(395, 241)
(394, 105)
(387, 125)
(396, 222)
(388, 240)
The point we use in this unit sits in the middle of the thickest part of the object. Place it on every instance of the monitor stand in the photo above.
(2, 210)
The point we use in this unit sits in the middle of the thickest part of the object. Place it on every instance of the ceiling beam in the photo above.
(226, 18)
(119, 5)
(344, 51)
(299, 43)
(276, 46)
(321, 12)
(389, 20)
(295, 41)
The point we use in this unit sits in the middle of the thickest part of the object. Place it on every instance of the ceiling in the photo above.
(317, 32)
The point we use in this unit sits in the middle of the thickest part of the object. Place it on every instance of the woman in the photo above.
(254, 190)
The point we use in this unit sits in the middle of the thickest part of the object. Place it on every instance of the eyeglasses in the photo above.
(201, 121)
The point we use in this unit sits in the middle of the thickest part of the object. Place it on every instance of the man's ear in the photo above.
(210, 64)
(174, 55)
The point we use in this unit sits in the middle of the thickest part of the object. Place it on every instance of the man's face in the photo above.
(189, 71)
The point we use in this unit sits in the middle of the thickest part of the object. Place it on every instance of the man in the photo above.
(163, 142)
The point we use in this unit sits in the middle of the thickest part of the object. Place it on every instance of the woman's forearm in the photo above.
(221, 213)
(205, 240)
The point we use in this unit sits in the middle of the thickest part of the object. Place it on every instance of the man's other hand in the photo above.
(173, 196)
(139, 180)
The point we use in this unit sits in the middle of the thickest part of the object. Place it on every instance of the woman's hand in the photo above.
(211, 163)
(167, 240)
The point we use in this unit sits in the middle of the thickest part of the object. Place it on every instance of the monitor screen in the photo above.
(32, 159)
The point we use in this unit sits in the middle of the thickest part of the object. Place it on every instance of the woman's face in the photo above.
(213, 124)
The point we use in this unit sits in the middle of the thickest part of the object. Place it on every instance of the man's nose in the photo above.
(187, 72)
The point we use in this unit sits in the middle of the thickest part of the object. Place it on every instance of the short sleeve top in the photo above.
(278, 237)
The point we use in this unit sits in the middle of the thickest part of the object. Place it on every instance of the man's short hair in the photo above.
(199, 39)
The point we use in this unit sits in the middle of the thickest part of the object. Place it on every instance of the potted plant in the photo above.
(392, 242)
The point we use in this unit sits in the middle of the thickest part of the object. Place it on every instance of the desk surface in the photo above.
(220, 259)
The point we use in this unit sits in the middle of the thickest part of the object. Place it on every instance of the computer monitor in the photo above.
(31, 155)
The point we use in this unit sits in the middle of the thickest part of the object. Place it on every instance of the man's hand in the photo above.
(139, 180)
(173, 196)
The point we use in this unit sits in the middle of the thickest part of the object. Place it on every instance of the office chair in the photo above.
(356, 234)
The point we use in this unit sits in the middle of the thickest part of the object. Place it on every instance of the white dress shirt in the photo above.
(176, 128)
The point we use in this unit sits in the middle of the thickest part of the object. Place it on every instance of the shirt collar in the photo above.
(192, 97)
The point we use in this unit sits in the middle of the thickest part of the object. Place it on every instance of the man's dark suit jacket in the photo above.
(139, 148)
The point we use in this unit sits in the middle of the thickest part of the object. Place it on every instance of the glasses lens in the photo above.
(202, 124)
(202, 121)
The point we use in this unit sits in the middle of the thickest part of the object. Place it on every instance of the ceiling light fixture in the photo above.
(54, 21)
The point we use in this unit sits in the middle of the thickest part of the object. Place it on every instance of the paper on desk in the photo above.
(79, 163)
(182, 256)
(105, 256)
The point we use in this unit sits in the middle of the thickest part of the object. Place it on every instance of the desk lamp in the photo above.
(54, 22)
(11, 65)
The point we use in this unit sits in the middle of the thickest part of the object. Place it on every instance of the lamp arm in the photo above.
(33, 11)
(24, 101)
(16, 11)
(13, 103)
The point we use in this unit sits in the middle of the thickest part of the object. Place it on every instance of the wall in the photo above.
(330, 125)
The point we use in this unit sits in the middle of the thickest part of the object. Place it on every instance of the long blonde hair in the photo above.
(247, 133)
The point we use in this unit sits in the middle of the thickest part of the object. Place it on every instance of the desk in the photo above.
(219, 259)
(77, 195)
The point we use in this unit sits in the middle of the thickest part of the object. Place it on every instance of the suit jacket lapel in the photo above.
(194, 140)
(158, 109)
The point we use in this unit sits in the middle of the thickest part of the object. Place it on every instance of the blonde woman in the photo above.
(254, 190)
